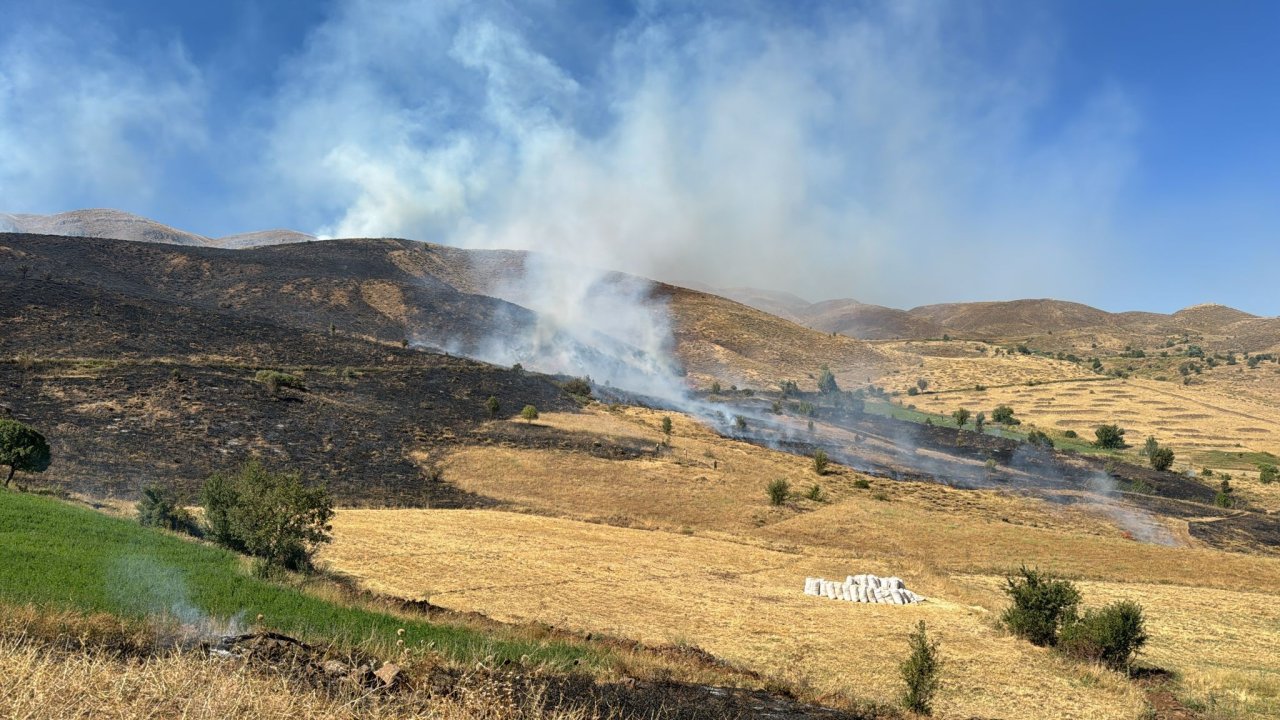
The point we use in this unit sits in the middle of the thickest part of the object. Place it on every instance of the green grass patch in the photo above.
(54, 554)
(1238, 460)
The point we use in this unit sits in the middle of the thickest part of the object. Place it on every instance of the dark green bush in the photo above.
(1003, 414)
(1110, 437)
(1268, 473)
(1042, 605)
(22, 448)
(1111, 636)
(1040, 439)
(1162, 458)
(580, 387)
(274, 380)
(862, 484)
(815, 494)
(159, 507)
(921, 672)
(778, 491)
(270, 515)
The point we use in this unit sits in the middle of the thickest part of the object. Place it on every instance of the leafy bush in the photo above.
(492, 406)
(1162, 458)
(1040, 439)
(666, 425)
(820, 462)
(862, 484)
(1003, 414)
(160, 508)
(580, 387)
(1111, 636)
(1268, 473)
(778, 490)
(270, 515)
(1042, 606)
(1110, 437)
(921, 672)
(1226, 494)
(529, 413)
(912, 391)
(961, 417)
(22, 448)
(815, 494)
(1071, 434)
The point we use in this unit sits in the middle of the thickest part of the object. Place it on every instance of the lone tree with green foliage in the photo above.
(821, 462)
(921, 672)
(1003, 414)
(22, 448)
(979, 421)
(827, 382)
(529, 413)
(1110, 437)
(922, 384)
(270, 515)
(961, 417)
(1042, 606)
(493, 406)
(1150, 447)
(666, 426)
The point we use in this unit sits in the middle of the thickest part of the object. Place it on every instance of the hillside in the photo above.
(117, 225)
(1013, 318)
(869, 322)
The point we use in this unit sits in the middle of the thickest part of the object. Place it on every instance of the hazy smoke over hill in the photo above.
(730, 145)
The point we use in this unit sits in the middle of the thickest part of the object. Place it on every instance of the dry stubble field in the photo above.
(684, 548)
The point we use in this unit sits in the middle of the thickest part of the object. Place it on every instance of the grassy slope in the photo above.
(58, 555)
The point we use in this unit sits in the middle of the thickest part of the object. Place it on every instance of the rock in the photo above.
(334, 668)
(389, 673)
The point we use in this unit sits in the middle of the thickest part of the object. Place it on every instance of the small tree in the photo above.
(1162, 458)
(820, 462)
(1003, 414)
(529, 413)
(961, 417)
(1042, 605)
(739, 423)
(827, 382)
(921, 672)
(979, 421)
(22, 448)
(270, 515)
(579, 387)
(666, 426)
(715, 387)
(778, 490)
(922, 384)
(1110, 437)
(492, 406)
(1150, 447)
(1226, 494)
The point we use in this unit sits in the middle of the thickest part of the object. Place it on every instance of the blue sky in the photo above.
(1122, 154)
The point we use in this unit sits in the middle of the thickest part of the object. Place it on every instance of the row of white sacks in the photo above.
(864, 589)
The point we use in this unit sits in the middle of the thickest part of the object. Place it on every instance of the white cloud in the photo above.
(83, 122)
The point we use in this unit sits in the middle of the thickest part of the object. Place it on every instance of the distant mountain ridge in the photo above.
(847, 317)
(119, 225)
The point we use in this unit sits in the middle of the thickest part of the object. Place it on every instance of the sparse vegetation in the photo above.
(921, 672)
(862, 484)
(1226, 494)
(22, 448)
(666, 425)
(821, 462)
(961, 416)
(815, 493)
(274, 516)
(492, 406)
(578, 387)
(274, 381)
(1040, 439)
(778, 491)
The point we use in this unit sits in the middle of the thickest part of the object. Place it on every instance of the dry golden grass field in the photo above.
(1207, 425)
(684, 547)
